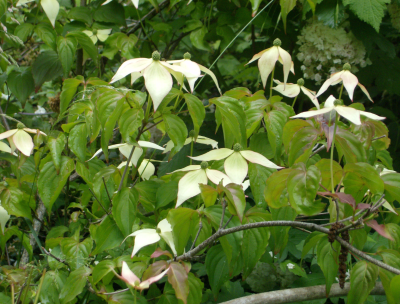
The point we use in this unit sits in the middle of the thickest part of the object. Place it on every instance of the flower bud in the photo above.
(192, 133)
(158, 230)
(347, 67)
(20, 126)
(137, 283)
(300, 82)
(187, 56)
(237, 147)
(156, 56)
(277, 42)
(94, 31)
(204, 165)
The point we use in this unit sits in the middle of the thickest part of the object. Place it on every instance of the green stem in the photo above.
(294, 101)
(272, 82)
(333, 148)
(209, 17)
(191, 151)
(40, 287)
(178, 97)
(341, 91)
(146, 116)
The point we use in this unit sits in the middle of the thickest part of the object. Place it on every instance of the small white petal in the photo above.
(145, 238)
(246, 184)
(189, 185)
(330, 102)
(334, 77)
(310, 95)
(131, 66)
(135, 3)
(51, 8)
(286, 61)
(365, 91)
(207, 141)
(168, 237)
(34, 131)
(164, 226)
(216, 176)
(108, 1)
(135, 76)
(350, 82)
(214, 155)
(259, 159)
(371, 115)
(267, 63)
(4, 217)
(23, 142)
(312, 113)
(127, 275)
(236, 168)
(350, 114)
(147, 144)
(212, 75)
(258, 55)
(146, 169)
(4, 147)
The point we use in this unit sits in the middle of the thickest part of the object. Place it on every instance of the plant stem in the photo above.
(12, 293)
(191, 151)
(341, 91)
(294, 101)
(272, 83)
(40, 287)
(332, 149)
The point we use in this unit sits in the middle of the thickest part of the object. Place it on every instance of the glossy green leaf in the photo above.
(286, 7)
(23, 30)
(107, 236)
(74, 285)
(77, 141)
(66, 48)
(258, 175)
(275, 192)
(53, 282)
(176, 130)
(166, 193)
(50, 184)
(68, 92)
(392, 186)
(197, 39)
(349, 146)
(195, 289)
(129, 123)
(102, 269)
(274, 123)
(76, 252)
(15, 202)
(236, 200)
(217, 268)
(56, 146)
(362, 279)
(311, 242)
(178, 278)
(392, 258)
(324, 166)
(124, 209)
(327, 259)
(46, 67)
(301, 145)
(113, 12)
(196, 111)
(21, 83)
(46, 32)
(86, 43)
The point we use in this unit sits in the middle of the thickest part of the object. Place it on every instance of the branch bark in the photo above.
(300, 294)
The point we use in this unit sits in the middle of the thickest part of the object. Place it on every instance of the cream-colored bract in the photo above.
(293, 89)
(134, 2)
(350, 81)
(20, 139)
(268, 59)
(50, 7)
(101, 35)
(351, 114)
(149, 236)
(4, 217)
(145, 170)
(130, 278)
(200, 140)
(236, 162)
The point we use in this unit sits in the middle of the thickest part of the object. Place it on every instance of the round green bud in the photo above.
(94, 31)
(137, 283)
(204, 165)
(20, 126)
(156, 56)
(277, 42)
(187, 56)
(158, 230)
(237, 147)
(338, 102)
(347, 67)
(300, 82)
(192, 133)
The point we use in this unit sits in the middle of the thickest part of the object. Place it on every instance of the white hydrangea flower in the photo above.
(290, 265)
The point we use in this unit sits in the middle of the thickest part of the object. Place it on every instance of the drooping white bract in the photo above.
(145, 170)
(200, 140)
(95, 35)
(156, 73)
(130, 278)
(193, 71)
(126, 149)
(134, 2)
(188, 185)
(50, 7)
(269, 57)
(147, 236)
(236, 161)
(19, 139)
(5, 148)
(350, 81)
(4, 217)
(293, 89)
(351, 114)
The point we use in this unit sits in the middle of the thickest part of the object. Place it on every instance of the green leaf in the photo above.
(176, 130)
(56, 146)
(178, 278)
(50, 184)
(392, 186)
(15, 202)
(113, 12)
(23, 30)
(130, 122)
(362, 279)
(290, 129)
(124, 209)
(196, 111)
(74, 285)
(68, 92)
(46, 32)
(81, 14)
(311, 241)
(274, 123)
(77, 141)
(258, 175)
(236, 200)
(76, 252)
(281, 234)
(197, 39)
(286, 7)
(21, 83)
(107, 236)
(302, 186)
(53, 282)
(46, 67)
(102, 269)
(392, 258)
(370, 11)
(3, 7)
(301, 145)
(255, 241)
(349, 146)
(293, 268)
(233, 120)
(254, 6)
(195, 289)
(327, 259)
(183, 221)
(217, 268)
(395, 287)
(359, 178)
(208, 194)
(66, 48)
(275, 193)
(86, 43)
(324, 166)
(166, 193)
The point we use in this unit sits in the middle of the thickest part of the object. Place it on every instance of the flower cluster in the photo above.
(394, 12)
(323, 50)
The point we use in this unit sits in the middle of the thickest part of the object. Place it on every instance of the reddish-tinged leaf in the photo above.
(329, 135)
(363, 206)
(187, 266)
(236, 200)
(154, 269)
(159, 252)
(381, 229)
(343, 197)
(178, 278)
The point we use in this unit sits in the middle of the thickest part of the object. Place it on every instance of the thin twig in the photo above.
(227, 222)
(223, 214)
(56, 258)
(379, 137)
(35, 114)
(317, 151)
(94, 195)
(105, 186)
(197, 235)
(6, 125)
(126, 169)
